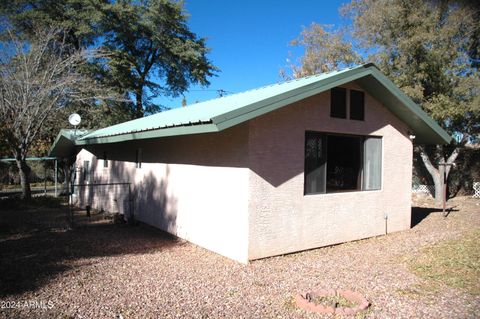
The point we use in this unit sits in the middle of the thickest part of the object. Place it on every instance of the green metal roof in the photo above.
(221, 113)
(64, 144)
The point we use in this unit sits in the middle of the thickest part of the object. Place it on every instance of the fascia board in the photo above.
(423, 120)
(165, 132)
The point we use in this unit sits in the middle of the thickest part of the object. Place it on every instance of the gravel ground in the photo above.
(102, 270)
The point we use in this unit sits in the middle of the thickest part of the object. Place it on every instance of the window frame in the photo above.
(361, 182)
(347, 100)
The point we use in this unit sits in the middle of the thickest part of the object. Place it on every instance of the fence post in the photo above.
(44, 178)
(56, 176)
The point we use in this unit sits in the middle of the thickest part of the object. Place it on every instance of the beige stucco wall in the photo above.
(195, 187)
(283, 219)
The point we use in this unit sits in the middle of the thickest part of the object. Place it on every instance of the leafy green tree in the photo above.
(324, 51)
(79, 18)
(153, 51)
(430, 49)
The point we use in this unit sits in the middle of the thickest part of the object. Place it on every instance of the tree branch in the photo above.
(426, 160)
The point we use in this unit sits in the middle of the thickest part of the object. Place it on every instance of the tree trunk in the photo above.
(438, 175)
(439, 184)
(24, 171)
(138, 103)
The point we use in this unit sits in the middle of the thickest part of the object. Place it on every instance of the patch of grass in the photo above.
(290, 304)
(259, 283)
(455, 263)
(334, 301)
(364, 314)
(419, 290)
(232, 292)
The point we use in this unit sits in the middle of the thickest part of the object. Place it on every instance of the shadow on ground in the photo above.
(420, 213)
(36, 245)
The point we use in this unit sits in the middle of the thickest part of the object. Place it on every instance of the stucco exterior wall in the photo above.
(283, 219)
(195, 187)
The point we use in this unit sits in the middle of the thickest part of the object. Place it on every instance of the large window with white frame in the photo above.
(340, 163)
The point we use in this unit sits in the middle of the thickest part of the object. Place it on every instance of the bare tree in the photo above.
(38, 78)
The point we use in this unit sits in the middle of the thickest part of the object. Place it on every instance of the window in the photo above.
(138, 158)
(339, 163)
(357, 105)
(105, 159)
(344, 163)
(338, 104)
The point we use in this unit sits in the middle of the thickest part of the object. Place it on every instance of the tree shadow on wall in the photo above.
(147, 200)
(153, 204)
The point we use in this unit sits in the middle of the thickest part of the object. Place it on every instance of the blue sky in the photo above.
(249, 39)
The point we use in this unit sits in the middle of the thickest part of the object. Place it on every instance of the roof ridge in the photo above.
(270, 85)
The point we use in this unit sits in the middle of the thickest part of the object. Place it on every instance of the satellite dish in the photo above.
(74, 119)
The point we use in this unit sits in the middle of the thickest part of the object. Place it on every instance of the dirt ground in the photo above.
(103, 270)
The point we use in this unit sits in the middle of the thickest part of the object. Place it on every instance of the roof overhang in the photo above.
(65, 143)
(163, 132)
(425, 129)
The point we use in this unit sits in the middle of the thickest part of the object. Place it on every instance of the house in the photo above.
(307, 163)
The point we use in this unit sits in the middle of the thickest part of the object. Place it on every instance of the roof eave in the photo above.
(63, 146)
(425, 129)
(157, 133)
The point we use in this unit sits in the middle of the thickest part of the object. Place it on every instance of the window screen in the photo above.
(314, 163)
(338, 102)
(357, 105)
